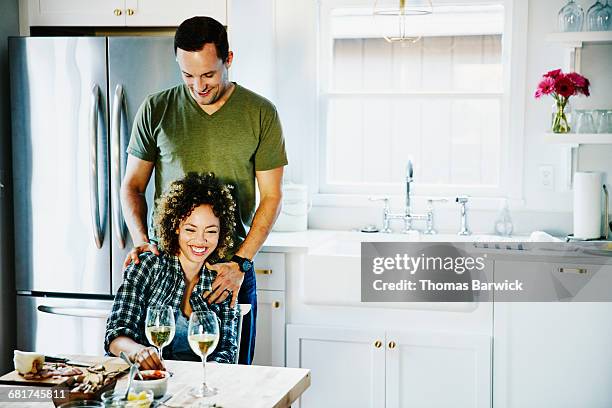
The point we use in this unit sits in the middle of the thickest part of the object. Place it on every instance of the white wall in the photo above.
(293, 44)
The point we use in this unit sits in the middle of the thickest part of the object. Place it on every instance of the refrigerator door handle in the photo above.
(94, 197)
(116, 167)
(75, 311)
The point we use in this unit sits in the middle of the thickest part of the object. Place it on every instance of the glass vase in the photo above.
(560, 122)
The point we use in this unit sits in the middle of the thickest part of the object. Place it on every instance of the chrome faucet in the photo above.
(407, 216)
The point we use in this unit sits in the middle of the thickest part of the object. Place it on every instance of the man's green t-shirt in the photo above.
(244, 136)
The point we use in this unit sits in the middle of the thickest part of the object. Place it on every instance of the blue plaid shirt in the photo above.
(159, 280)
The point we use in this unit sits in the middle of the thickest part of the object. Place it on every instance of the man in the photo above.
(209, 124)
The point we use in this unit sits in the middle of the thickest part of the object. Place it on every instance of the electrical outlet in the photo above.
(547, 178)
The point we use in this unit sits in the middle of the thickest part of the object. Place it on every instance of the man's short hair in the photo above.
(195, 32)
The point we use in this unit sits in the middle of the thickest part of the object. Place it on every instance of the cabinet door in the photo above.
(270, 337)
(162, 13)
(553, 354)
(347, 365)
(76, 13)
(437, 370)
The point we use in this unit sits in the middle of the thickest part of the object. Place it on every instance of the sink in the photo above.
(332, 270)
(348, 243)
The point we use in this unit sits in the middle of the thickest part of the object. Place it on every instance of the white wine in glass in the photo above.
(203, 336)
(160, 327)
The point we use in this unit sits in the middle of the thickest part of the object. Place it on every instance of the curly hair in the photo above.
(182, 197)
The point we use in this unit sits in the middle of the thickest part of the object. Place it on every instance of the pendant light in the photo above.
(402, 10)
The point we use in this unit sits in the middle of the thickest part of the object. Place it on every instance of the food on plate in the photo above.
(150, 375)
(142, 395)
(92, 380)
(27, 362)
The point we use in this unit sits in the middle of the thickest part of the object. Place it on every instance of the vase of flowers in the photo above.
(561, 87)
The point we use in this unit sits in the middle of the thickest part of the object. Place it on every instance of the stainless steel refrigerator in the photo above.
(73, 101)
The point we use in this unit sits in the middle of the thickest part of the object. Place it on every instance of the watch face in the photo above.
(246, 265)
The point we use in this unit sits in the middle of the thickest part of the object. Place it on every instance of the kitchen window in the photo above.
(442, 101)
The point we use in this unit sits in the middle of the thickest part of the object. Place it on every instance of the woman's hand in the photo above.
(147, 358)
(132, 256)
(229, 279)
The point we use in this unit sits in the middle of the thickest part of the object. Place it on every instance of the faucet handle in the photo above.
(432, 200)
(385, 199)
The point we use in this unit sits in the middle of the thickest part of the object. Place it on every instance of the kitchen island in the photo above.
(238, 386)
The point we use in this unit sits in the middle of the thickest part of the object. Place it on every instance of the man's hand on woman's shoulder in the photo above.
(132, 256)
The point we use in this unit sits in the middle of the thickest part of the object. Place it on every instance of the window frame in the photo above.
(514, 48)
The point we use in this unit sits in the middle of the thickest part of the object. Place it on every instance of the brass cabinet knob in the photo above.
(378, 344)
(276, 304)
(392, 344)
(263, 271)
(118, 12)
(130, 12)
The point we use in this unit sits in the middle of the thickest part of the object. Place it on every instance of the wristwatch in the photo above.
(244, 263)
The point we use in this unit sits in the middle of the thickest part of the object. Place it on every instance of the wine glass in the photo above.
(571, 17)
(160, 327)
(592, 21)
(203, 336)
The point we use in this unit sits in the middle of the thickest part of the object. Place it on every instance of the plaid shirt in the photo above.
(159, 280)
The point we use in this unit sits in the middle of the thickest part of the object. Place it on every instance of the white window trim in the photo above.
(514, 49)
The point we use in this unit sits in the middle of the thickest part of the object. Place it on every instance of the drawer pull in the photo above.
(392, 345)
(276, 304)
(130, 12)
(263, 271)
(378, 344)
(118, 12)
(579, 271)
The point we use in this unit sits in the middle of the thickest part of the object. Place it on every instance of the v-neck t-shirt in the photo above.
(242, 137)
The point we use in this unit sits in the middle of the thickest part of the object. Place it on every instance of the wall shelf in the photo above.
(578, 39)
(578, 138)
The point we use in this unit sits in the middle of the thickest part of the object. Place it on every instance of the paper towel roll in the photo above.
(587, 205)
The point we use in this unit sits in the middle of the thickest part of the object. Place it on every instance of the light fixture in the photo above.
(402, 10)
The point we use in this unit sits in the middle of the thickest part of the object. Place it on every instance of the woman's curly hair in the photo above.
(182, 197)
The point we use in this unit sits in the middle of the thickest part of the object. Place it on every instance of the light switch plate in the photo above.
(546, 177)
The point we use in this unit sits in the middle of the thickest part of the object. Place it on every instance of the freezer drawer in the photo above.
(61, 326)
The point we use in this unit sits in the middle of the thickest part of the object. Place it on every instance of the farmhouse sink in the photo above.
(332, 270)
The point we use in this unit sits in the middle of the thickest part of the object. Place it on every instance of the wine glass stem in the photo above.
(160, 350)
(204, 373)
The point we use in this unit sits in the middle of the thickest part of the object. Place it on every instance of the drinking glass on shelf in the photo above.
(605, 16)
(605, 122)
(571, 17)
(203, 336)
(585, 123)
(593, 23)
(160, 327)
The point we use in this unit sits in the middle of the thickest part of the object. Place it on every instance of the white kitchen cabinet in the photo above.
(121, 13)
(421, 364)
(270, 338)
(392, 369)
(347, 365)
(554, 354)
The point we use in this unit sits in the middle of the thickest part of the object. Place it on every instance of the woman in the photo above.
(194, 222)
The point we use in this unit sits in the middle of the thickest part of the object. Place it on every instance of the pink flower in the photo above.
(577, 79)
(553, 74)
(580, 82)
(545, 87)
(564, 86)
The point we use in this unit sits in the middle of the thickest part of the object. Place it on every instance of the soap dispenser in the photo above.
(503, 223)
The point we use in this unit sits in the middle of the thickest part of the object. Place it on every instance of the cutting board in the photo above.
(110, 364)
